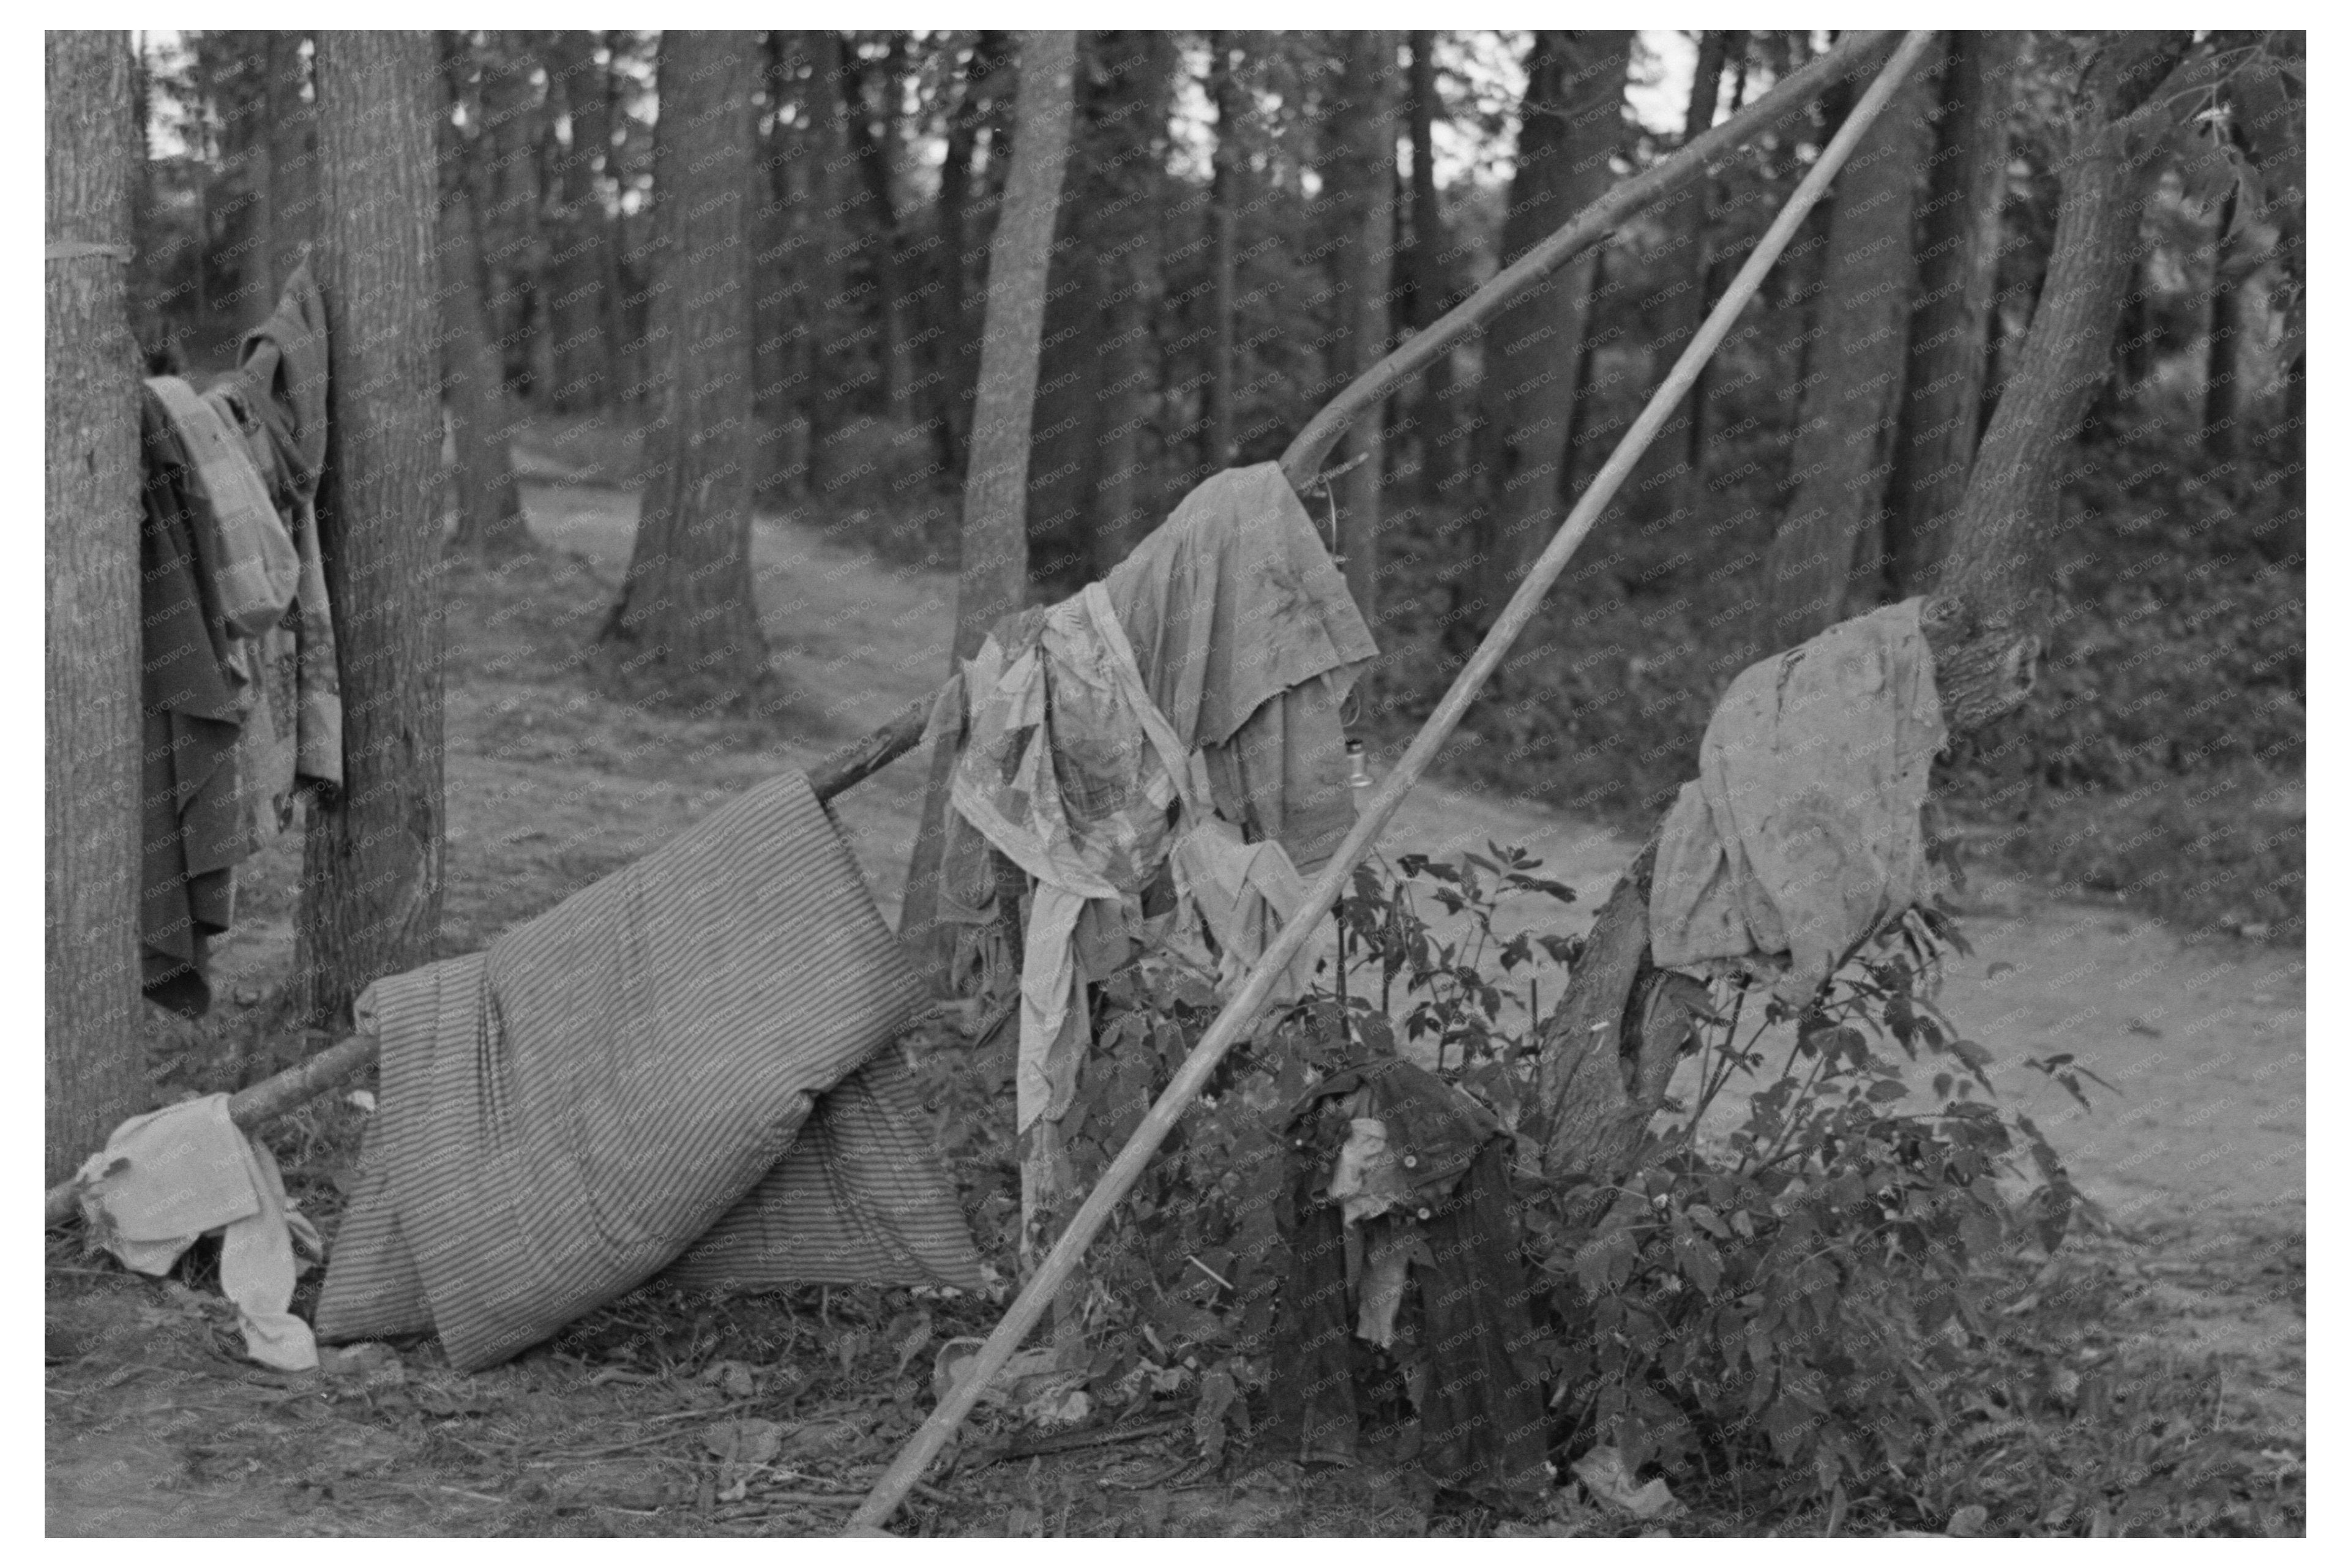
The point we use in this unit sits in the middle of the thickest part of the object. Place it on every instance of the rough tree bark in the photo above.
(1366, 173)
(686, 608)
(1685, 306)
(1608, 1055)
(873, 134)
(293, 156)
(371, 859)
(506, 205)
(582, 353)
(1570, 123)
(1958, 267)
(489, 507)
(1224, 225)
(2223, 338)
(1844, 435)
(994, 580)
(1439, 425)
(91, 1070)
(1131, 106)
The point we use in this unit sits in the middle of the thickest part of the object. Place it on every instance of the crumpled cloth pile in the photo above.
(1802, 833)
(168, 1177)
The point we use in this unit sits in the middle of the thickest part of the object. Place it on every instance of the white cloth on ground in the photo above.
(165, 1179)
(1802, 833)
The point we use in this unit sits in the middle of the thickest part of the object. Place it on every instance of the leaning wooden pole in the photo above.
(273, 1096)
(1029, 1306)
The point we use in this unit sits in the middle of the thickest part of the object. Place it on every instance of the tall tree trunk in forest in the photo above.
(686, 606)
(2223, 339)
(874, 135)
(489, 509)
(1710, 285)
(293, 156)
(1365, 168)
(835, 196)
(1844, 434)
(957, 311)
(582, 351)
(508, 207)
(1958, 267)
(1570, 121)
(92, 1076)
(1602, 1081)
(1224, 227)
(371, 859)
(625, 369)
(993, 580)
(1127, 114)
(1440, 424)
(1685, 306)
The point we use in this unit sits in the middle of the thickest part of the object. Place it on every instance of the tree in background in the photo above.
(1363, 171)
(686, 609)
(489, 507)
(1854, 357)
(92, 1070)
(1570, 125)
(994, 575)
(371, 858)
(1958, 267)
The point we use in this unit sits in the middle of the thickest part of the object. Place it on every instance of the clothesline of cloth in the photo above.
(240, 706)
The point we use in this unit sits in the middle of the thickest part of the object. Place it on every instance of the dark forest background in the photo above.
(1216, 278)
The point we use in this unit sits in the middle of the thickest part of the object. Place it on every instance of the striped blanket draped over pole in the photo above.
(685, 1070)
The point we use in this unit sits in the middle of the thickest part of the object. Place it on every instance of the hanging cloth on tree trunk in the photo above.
(1801, 834)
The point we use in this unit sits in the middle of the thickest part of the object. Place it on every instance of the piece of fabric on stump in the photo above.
(592, 1098)
(1801, 834)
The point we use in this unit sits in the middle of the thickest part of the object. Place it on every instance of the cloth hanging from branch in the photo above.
(1802, 833)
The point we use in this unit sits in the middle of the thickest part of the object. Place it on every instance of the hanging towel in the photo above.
(1801, 834)
(637, 1077)
(165, 1179)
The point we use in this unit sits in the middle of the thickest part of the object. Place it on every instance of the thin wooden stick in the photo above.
(1029, 1305)
(1852, 54)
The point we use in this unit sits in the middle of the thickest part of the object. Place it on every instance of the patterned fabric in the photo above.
(1802, 833)
(677, 1065)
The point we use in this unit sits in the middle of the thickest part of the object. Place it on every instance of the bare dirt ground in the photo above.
(156, 1426)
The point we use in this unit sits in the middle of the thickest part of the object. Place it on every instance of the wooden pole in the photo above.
(912, 1460)
(901, 734)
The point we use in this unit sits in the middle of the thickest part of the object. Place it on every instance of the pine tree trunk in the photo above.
(876, 142)
(2223, 338)
(1437, 423)
(1682, 449)
(1844, 435)
(1366, 168)
(92, 1073)
(1608, 1055)
(1223, 223)
(832, 199)
(508, 212)
(994, 580)
(1570, 124)
(961, 218)
(371, 860)
(489, 507)
(1958, 267)
(687, 607)
(293, 157)
(582, 351)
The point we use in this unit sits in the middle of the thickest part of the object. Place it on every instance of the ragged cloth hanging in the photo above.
(1802, 833)
(1399, 1212)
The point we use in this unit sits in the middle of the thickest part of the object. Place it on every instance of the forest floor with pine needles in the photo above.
(2149, 1381)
